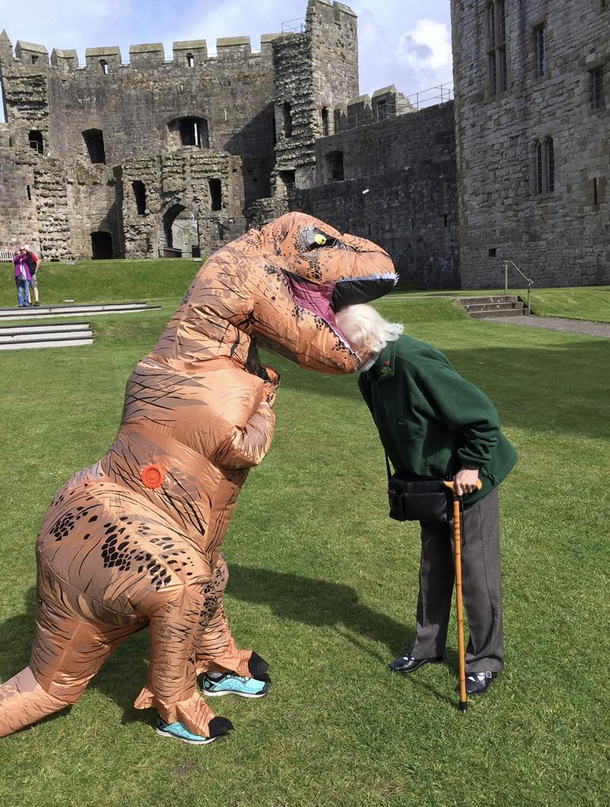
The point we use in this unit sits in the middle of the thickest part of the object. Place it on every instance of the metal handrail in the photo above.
(528, 280)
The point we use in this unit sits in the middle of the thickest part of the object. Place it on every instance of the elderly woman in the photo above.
(435, 424)
(22, 275)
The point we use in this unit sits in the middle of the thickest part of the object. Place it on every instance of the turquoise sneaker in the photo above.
(219, 726)
(230, 684)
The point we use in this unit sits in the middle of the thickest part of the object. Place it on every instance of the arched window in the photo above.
(287, 119)
(550, 164)
(36, 143)
(139, 193)
(496, 46)
(94, 140)
(104, 66)
(215, 187)
(544, 166)
(325, 122)
(334, 164)
(101, 246)
(191, 132)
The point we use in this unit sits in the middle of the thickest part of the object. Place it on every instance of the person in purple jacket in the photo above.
(22, 275)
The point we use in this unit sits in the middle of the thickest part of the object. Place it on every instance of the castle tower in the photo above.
(532, 86)
(315, 72)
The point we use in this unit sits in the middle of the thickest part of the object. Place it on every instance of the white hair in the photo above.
(366, 329)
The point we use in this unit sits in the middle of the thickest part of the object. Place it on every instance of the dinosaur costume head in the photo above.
(280, 287)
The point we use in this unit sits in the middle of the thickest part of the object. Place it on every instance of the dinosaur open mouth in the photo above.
(325, 299)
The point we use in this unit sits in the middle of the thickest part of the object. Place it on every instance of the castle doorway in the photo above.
(101, 246)
(181, 232)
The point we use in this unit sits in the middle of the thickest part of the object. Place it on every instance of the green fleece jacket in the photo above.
(432, 421)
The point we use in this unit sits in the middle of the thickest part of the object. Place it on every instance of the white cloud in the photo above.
(399, 46)
(427, 46)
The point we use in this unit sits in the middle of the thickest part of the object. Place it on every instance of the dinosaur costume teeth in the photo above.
(136, 538)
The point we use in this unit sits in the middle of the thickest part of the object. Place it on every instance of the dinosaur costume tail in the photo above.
(23, 701)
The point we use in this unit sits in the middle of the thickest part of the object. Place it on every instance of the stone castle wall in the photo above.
(233, 140)
(558, 237)
(399, 189)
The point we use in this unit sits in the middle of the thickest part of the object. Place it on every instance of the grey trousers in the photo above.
(481, 587)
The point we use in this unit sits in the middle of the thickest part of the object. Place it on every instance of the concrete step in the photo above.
(33, 312)
(50, 343)
(26, 337)
(513, 312)
(494, 307)
(496, 298)
(64, 327)
(505, 305)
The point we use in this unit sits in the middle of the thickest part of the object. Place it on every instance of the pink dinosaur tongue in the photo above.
(315, 298)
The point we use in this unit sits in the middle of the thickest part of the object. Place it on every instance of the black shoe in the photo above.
(477, 683)
(407, 664)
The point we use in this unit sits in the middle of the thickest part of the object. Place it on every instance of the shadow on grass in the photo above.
(320, 604)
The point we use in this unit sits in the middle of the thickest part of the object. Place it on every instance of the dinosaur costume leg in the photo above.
(216, 649)
(68, 651)
(175, 630)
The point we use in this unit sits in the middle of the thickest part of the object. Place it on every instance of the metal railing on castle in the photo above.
(506, 266)
(296, 26)
(363, 114)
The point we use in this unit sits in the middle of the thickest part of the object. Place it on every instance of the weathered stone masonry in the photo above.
(177, 157)
(159, 157)
(527, 101)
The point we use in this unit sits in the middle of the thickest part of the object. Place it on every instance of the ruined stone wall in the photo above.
(176, 182)
(18, 221)
(558, 237)
(135, 107)
(399, 190)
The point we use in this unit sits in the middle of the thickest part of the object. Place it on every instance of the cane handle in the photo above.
(448, 483)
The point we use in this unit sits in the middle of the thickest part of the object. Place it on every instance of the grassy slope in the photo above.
(324, 585)
(112, 281)
(105, 281)
(587, 302)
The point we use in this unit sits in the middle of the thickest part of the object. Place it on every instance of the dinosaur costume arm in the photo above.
(246, 446)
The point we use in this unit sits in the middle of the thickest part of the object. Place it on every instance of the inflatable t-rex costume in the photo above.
(136, 538)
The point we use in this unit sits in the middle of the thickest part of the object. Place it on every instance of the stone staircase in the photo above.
(24, 337)
(493, 306)
(10, 314)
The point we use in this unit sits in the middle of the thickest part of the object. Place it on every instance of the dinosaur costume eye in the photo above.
(314, 238)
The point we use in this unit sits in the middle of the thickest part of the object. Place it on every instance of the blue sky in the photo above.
(402, 42)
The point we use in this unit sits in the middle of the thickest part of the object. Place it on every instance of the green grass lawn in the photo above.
(586, 302)
(324, 586)
(105, 281)
(156, 280)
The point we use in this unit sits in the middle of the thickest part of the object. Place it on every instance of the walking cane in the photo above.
(457, 543)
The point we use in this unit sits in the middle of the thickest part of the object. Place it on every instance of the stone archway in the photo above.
(180, 232)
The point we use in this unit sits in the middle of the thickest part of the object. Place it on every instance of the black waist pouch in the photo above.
(418, 499)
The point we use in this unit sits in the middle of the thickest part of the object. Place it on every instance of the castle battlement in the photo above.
(385, 103)
(108, 58)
